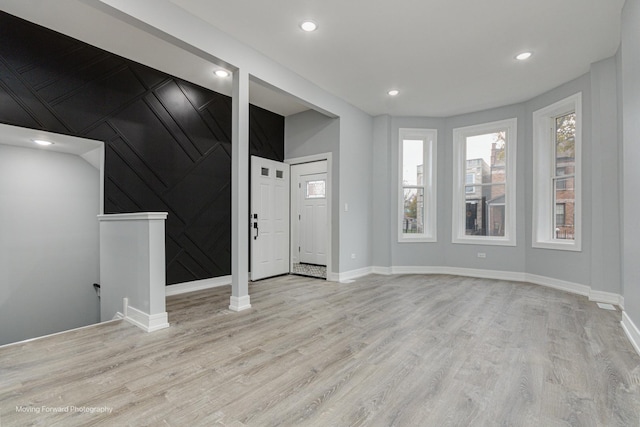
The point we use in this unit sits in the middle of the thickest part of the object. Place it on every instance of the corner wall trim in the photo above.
(606, 297)
(197, 285)
(631, 330)
(147, 322)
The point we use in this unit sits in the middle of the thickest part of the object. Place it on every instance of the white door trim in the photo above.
(316, 158)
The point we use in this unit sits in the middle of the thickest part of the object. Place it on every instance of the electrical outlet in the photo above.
(353, 256)
(482, 255)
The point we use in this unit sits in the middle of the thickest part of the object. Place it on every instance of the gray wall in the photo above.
(597, 265)
(442, 252)
(48, 243)
(502, 258)
(416, 254)
(310, 133)
(382, 187)
(351, 144)
(564, 265)
(630, 62)
(605, 179)
(356, 159)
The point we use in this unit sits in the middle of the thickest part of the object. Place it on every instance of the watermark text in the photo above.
(64, 409)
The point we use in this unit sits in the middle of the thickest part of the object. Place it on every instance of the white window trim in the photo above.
(459, 178)
(430, 138)
(543, 151)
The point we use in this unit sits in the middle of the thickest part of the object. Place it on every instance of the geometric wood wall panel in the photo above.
(168, 142)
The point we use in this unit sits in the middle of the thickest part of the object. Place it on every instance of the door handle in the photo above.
(255, 225)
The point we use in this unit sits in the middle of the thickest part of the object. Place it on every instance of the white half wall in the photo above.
(132, 269)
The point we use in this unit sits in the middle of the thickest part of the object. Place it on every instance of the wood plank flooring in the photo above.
(407, 350)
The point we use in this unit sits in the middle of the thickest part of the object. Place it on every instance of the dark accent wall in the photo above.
(168, 142)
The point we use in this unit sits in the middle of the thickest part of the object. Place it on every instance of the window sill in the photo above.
(557, 245)
(484, 240)
(417, 239)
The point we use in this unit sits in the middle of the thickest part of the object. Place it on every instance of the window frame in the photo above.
(429, 139)
(543, 227)
(458, 213)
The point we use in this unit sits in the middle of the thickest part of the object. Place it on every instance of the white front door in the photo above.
(269, 218)
(310, 197)
(313, 219)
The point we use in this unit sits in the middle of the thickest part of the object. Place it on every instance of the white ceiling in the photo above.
(446, 57)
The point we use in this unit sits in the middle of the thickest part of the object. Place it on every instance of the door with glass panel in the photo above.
(313, 219)
(310, 214)
(269, 218)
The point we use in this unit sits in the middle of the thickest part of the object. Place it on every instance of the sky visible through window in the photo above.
(479, 146)
(412, 157)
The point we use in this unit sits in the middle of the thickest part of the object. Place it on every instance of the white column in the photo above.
(239, 193)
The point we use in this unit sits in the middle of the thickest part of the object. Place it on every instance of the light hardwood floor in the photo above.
(406, 350)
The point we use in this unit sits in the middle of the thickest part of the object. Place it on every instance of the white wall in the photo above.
(48, 243)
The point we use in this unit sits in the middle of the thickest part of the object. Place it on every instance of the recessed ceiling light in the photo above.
(393, 92)
(222, 73)
(42, 142)
(308, 26)
(524, 55)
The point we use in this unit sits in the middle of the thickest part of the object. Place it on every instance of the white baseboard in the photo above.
(240, 303)
(197, 285)
(384, 271)
(563, 285)
(401, 269)
(632, 331)
(348, 276)
(146, 322)
(79, 328)
(511, 276)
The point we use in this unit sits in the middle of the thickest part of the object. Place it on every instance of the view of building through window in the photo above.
(485, 184)
(564, 179)
(413, 186)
